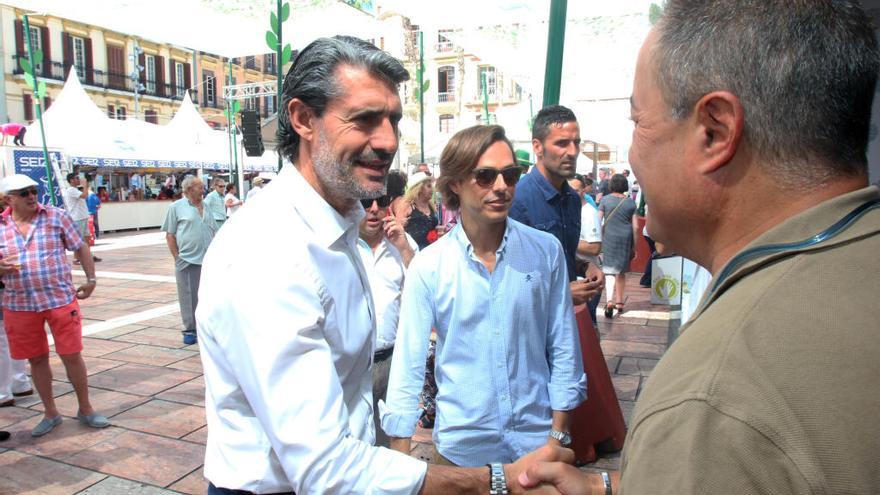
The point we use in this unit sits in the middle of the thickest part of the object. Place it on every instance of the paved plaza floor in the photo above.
(149, 384)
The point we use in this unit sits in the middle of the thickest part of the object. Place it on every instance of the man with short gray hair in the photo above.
(189, 227)
(752, 120)
(214, 200)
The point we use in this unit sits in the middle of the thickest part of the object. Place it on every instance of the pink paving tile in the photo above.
(116, 332)
(164, 418)
(98, 347)
(159, 336)
(140, 379)
(141, 457)
(633, 349)
(107, 402)
(12, 415)
(636, 366)
(191, 392)
(626, 386)
(94, 365)
(59, 388)
(149, 354)
(25, 474)
(193, 483)
(63, 441)
(198, 436)
(193, 364)
(634, 333)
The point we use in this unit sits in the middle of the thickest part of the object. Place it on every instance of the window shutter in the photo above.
(28, 107)
(67, 46)
(142, 74)
(111, 111)
(90, 63)
(20, 49)
(172, 67)
(187, 77)
(160, 75)
(47, 102)
(46, 46)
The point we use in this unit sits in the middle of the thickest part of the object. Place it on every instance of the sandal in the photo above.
(619, 307)
(609, 311)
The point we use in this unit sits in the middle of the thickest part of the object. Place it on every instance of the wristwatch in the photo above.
(563, 436)
(607, 480)
(92, 281)
(497, 481)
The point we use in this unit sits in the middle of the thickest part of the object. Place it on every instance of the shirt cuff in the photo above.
(567, 396)
(398, 424)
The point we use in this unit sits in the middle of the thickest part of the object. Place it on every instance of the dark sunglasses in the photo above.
(27, 192)
(485, 177)
(382, 201)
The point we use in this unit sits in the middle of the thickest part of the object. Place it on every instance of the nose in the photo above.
(385, 137)
(499, 184)
(374, 206)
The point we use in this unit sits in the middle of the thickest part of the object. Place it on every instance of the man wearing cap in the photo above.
(40, 291)
(257, 186)
(214, 201)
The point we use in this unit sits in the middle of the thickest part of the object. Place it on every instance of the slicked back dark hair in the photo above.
(804, 70)
(312, 79)
(550, 116)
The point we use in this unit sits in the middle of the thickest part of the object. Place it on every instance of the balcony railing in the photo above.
(108, 80)
(445, 97)
(444, 46)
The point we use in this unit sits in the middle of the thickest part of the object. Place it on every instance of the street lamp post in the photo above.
(39, 107)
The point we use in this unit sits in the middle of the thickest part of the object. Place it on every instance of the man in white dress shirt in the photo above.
(287, 359)
(386, 250)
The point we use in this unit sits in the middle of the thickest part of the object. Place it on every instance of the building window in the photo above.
(444, 43)
(446, 84)
(111, 111)
(79, 56)
(491, 86)
(447, 123)
(150, 69)
(270, 104)
(250, 103)
(179, 79)
(151, 116)
(37, 44)
(28, 107)
(210, 88)
(120, 113)
(269, 63)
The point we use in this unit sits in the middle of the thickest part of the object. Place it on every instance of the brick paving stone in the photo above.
(112, 485)
(59, 388)
(142, 457)
(65, 440)
(194, 483)
(94, 366)
(93, 347)
(198, 436)
(24, 474)
(107, 402)
(636, 366)
(159, 417)
(634, 333)
(148, 354)
(423, 451)
(116, 332)
(633, 349)
(193, 364)
(159, 336)
(12, 415)
(191, 392)
(626, 386)
(140, 379)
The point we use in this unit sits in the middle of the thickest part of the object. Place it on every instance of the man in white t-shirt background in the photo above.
(590, 243)
(75, 196)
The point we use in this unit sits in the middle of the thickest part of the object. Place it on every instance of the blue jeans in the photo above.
(213, 490)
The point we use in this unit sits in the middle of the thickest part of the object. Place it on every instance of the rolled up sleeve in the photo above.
(568, 382)
(400, 411)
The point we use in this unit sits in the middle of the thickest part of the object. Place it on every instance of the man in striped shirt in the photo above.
(40, 290)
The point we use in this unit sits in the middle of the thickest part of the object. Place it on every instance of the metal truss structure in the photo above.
(250, 90)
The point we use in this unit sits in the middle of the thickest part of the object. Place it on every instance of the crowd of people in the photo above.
(315, 375)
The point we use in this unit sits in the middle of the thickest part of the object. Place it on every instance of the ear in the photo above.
(455, 186)
(719, 119)
(301, 119)
(538, 148)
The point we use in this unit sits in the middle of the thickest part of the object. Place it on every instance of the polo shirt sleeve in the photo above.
(590, 231)
(170, 223)
(694, 448)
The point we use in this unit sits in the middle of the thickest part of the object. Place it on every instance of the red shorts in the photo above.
(27, 334)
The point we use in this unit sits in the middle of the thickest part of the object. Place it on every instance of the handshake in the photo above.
(550, 470)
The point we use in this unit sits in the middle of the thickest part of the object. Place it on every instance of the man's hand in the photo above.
(8, 267)
(584, 290)
(85, 290)
(545, 454)
(395, 233)
(594, 272)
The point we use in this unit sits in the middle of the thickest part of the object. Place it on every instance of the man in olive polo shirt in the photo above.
(189, 228)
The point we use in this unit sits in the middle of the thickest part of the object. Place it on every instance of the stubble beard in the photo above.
(337, 177)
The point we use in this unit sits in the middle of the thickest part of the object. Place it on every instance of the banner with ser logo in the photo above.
(30, 162)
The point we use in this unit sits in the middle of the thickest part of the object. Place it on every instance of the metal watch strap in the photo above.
(497, 481)
(607, 480)
(563, 437)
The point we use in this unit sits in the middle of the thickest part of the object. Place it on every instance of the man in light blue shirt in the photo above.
(509, 365)
(189, 228)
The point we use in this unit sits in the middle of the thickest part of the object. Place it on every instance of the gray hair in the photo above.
(218, 180)
(804, 70)
(187, 182)
(312, 79)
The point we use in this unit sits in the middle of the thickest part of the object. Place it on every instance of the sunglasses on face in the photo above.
(382, 202)
(485, 177)
(26, 192)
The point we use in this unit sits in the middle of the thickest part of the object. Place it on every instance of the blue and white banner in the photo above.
(31, 163)
(178, 164)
